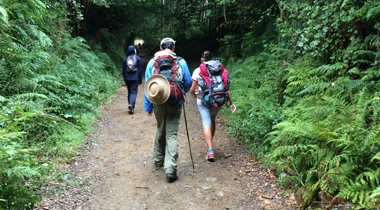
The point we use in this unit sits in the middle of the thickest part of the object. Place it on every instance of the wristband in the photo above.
(232, 104)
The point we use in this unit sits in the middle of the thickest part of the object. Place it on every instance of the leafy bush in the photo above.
(324, 138)
(19, 168)
(331, 146)
(51, 86)
(255, 89)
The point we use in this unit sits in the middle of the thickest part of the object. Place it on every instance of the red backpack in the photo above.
(167, 65)
(214, 84)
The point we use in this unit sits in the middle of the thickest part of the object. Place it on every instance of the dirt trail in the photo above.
(116, 170)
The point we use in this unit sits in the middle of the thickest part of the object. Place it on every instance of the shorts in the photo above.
(208, 114)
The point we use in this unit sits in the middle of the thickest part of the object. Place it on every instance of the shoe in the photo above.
(171, 177)
(210, 156)
(158, 164)
(131, 109)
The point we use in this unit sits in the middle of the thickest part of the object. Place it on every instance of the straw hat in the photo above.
(157, 89)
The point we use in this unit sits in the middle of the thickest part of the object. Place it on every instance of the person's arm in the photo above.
(194, 86)
(124, 71)
(187, 81)
(123, 65)
(232, 105)
(148, 106)
(140, 70)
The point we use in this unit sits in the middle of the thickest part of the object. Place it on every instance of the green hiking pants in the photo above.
(165, 144)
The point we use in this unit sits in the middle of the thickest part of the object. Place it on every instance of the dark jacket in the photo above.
(132, 76)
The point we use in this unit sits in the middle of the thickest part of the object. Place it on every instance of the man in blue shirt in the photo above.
(165, 152)
(132, 74)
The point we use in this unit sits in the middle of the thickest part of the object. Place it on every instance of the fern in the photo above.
(21, 172)
(329, 70)
(28, 96)
(375, 194)
(335, 178)
(43, 38)
(318, 86)
(372, 74)
(38, 4)
(284, 151)
(51, 86)
(4, 15)
(330, 140)
(358, 192)
(373, 12)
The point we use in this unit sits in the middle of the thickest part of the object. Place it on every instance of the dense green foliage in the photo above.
(256, 93)
(115, 24)
(51, 86)
(325, 131)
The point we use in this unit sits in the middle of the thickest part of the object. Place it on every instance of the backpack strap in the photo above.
(175, 69)
(204, 73)
(225, 79)
(224, 73)
(155, 65)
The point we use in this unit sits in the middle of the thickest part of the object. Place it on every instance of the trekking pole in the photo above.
(187, 132)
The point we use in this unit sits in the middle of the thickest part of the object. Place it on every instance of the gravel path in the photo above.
(115, 169)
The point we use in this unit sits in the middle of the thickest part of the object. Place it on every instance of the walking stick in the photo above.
(187, 132)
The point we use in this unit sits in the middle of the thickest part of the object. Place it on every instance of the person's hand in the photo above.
(233, 108)
(149, 113)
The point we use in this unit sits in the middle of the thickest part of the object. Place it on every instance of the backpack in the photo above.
(167, 65)
(131, 63)
(214, 83)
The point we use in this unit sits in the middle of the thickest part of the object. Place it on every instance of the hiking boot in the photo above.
(171, 177)
(131, 109)
(158, 164)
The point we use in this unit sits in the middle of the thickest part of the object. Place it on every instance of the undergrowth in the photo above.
(315, 120)
(51, 88)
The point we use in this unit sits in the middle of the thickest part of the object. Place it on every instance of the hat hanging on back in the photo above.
(157, 89)
(167, 40)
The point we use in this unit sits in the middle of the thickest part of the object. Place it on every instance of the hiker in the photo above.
(132, 74)
(210, 104)
(167, 79)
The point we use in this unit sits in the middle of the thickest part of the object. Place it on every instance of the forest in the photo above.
(305, 77)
